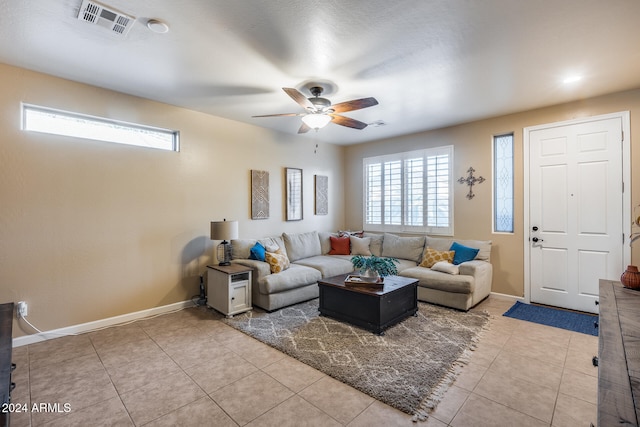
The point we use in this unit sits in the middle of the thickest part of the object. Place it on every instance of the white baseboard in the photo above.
(506, 297)
(99, 324)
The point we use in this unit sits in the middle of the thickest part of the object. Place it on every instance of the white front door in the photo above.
(576, 231)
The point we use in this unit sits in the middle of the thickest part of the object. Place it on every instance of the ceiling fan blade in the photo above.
(347, 121)
(281, 115)
(356, 104)
(297, 96)
(304, 128)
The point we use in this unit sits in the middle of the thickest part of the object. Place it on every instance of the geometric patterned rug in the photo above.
(409, 368)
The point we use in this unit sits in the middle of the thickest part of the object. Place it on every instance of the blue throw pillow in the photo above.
(257, 252)
(463, 253)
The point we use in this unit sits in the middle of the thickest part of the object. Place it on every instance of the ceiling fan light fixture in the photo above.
(316, 120)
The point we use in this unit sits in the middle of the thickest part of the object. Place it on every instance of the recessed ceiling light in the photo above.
(572, 79)
(157, 26)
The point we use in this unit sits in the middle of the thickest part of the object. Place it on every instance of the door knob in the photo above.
(535, 228)
(535, 239)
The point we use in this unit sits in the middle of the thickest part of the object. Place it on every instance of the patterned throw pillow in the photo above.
(277, 261)
(431, 256)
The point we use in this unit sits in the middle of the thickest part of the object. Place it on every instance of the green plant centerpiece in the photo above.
(372, 267)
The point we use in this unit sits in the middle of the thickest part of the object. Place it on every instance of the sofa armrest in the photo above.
(482, 272)
(260, 268)
(473, 268)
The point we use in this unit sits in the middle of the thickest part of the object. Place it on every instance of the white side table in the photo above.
(229, 288)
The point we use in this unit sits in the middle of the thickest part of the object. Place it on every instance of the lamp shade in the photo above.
(316, 120)
(224, 230)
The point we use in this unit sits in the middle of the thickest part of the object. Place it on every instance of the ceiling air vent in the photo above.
(96, 13)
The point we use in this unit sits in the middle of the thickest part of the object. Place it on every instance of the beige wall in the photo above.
(472, 143)
(91, 230)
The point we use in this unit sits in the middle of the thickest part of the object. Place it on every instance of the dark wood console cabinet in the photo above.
(618, 355)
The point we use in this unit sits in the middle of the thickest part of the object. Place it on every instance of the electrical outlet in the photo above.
(21, 309)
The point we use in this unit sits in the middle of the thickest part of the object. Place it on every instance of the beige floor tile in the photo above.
(117, 336)
(294, 412)
(202, 412)
(485, 353)
(542, 350)
(579, 385)
(60, 349)
(129, 352)
(480, 412)
(51, 376)
(450, 404)
(521, 395)
(584, 342)
(581, 361)
(137, 374)
(571, 412)
(160, 397)
(379, 414)
(470, 375)
(293, 374)
(78, 394)
(553, 336)
(213, 374)
(341, 401)
(532, 370)
(197, 352)
(250, 397)
(94, 416)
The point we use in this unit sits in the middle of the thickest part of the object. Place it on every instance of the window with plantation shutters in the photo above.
(410, 192)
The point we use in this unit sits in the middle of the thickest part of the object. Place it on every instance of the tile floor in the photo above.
(188, 368)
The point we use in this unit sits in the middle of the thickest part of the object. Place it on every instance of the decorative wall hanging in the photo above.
(293, 193)
(471, 181)
(259, 194)
(322, 195)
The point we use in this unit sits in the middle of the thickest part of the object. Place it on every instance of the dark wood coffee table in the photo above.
(371, 308)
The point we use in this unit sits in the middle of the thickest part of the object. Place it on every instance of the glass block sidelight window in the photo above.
(409, 191)
(65, 123)
(503, 183)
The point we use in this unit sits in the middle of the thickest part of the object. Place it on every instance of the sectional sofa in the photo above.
(293, 264)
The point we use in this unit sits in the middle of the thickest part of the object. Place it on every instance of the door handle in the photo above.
(535, 239)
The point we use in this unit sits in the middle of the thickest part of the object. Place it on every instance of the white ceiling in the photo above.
(429, 63)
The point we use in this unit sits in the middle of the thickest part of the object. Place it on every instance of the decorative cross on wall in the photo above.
(471, 181)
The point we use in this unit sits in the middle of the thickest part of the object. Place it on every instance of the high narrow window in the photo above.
(409, 191)
(57, 122)
(503, 183)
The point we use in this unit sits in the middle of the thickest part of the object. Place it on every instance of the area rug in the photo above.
(559, 318)
(409, 367)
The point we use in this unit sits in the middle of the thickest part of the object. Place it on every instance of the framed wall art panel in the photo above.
(293, 193)
(259, 194)
(322, 194)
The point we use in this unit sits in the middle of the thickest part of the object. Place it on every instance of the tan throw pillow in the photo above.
(431, 256)
(277, 261)
(360, 245)
(446, 267)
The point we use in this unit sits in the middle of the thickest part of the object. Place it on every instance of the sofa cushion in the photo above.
(376, 243)
(328, 265)
(427, 278)
(302, 245)
(403, 247)
(360, 245)
(463, 253)
(325, 242)
(294, 277)
(241, 248)
(432, 256)
(340, 245)
(277, 261)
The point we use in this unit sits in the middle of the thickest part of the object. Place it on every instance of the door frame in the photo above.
(626, 193)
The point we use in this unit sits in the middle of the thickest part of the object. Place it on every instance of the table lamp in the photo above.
(226, 231)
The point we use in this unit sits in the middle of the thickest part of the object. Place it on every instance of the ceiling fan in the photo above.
(320, 111)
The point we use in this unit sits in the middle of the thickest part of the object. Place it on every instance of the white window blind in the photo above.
(410, 191)
(81, 126)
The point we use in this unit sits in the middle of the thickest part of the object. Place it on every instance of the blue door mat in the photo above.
(556, 317)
